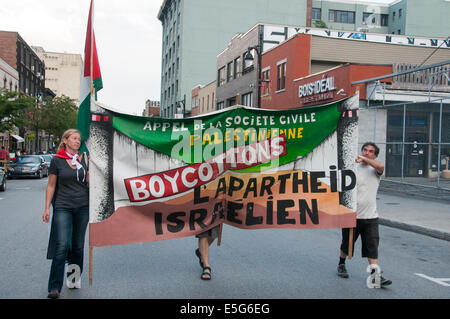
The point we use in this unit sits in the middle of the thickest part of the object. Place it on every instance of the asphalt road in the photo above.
(263, 264)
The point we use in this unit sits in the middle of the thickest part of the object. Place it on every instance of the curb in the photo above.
(415, 229)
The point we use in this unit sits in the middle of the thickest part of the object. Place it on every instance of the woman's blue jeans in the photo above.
(70, 229)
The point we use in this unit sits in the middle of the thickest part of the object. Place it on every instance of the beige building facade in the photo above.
(9, 77)
(63, 72)
(206, 98)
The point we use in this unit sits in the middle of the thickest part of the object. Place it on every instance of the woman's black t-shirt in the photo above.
(70, 192)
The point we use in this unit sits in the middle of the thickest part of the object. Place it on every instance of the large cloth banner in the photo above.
(155, 178)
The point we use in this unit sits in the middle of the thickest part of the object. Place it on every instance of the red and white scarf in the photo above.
(74, 161)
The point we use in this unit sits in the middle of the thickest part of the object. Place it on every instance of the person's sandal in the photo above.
(54, 294)
(205, 273)
(197, 253)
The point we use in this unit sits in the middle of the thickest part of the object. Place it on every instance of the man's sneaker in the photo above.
(342, 271)
(378, 281)
(375, 279)
(385, 282)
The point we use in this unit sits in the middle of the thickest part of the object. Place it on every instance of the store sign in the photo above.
(317, 90)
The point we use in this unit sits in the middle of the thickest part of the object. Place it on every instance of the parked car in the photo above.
(28, 165)
(2, 180)
(48, 158)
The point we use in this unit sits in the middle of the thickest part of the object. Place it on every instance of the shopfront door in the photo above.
(415, 159)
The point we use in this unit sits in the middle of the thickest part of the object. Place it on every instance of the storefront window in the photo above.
(413, 149)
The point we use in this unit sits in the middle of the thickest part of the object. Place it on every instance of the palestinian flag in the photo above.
(91, 81)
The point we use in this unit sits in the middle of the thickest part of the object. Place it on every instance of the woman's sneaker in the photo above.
(342, 271)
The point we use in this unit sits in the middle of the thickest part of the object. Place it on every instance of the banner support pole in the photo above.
(219, 238)
(350, 244)
(90, 266)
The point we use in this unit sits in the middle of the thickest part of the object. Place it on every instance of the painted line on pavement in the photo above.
(440, 281)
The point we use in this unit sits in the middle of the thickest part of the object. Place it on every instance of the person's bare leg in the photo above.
(203, 247)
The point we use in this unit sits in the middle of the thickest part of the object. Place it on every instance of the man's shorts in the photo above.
(368, 229)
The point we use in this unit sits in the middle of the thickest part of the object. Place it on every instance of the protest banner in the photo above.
(155, 178)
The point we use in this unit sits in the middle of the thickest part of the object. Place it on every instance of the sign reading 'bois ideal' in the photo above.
(156, 178)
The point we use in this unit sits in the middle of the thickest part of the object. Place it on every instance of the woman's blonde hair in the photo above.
(66, 135)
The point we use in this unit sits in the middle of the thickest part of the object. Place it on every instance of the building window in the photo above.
(341, 16)
(369, 18)
(265, 77)
(247, 99)
(375, 19)
(316, 14)
(230, 71)
(237, 67)
(231, 101)
(281, 76)
(399, 13)
(384, 20)
(220, 105)
(221, 76)
(393, 16)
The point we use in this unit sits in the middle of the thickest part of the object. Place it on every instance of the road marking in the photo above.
(440, 281)
(23, 188)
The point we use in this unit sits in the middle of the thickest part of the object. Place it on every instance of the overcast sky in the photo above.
(128, 36)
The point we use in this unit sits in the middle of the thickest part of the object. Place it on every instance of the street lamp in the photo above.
(248, 58)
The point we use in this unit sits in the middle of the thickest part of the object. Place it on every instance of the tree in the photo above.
(58, 115)
(320, 24)
(12, 109)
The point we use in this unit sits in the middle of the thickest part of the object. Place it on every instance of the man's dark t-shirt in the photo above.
(70, 192)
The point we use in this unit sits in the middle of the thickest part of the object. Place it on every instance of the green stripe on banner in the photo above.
(194, 140)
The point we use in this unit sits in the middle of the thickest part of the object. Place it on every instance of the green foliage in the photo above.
(58, 115)
(320, 24)
(13, 107)
(54, 116)
(31, 137)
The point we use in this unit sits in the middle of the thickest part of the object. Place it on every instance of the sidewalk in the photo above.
(425, 211)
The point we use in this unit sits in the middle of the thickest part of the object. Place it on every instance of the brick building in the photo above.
(19, 55)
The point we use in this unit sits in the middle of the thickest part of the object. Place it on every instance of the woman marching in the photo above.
(68, 192)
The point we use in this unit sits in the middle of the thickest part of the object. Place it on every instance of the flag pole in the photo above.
(91, 71)
(91, 64)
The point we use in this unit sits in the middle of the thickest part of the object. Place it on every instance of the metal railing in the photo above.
(436, 173)
(435, 80)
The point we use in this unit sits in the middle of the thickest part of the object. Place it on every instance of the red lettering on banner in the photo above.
(180, 180)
